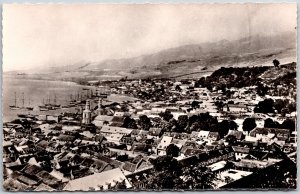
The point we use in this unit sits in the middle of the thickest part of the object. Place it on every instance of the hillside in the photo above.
(185, 61)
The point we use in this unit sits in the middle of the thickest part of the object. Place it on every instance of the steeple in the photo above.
(99, 106)
(87, 105)
(87, 114)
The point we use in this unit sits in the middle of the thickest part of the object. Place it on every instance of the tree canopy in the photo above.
(249, 124)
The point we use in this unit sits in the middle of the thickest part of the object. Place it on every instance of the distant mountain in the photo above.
(187, 60)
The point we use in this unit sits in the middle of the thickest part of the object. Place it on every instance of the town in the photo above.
(235, 128)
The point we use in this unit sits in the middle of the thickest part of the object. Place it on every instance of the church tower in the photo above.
(87, 114)
(100, 106)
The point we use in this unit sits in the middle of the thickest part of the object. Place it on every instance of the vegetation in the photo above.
(232, 77)
(168, 173)
(172, 150)
(249, 124)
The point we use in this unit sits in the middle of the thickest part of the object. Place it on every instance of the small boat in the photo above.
(14, 108)
(22, 115)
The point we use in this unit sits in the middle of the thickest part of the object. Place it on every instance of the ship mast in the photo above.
(23, 100)
(54, 99)
(15, 99)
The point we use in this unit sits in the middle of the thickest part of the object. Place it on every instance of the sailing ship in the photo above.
(49, 106)
(15, 107)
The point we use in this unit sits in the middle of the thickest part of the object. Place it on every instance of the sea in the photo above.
(37, 92)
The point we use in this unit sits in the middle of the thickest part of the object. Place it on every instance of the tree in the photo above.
(46, 165)
(233, 125)
(144, 122)
(276, 63)
(172, 150)
(284, 111)
(279, 105)
(292, 107)
(219, 105)
(223, 128)
(177, 88)
(121, 186)
(165, 174)
(195, 104)
(249, 124)
(183, 122)
(129, 123)
(197, 177)
(231, 139)
(265, 106)
(174, 125)
(167, 115)
(269, 123)
(157, 122)
(261, 89)
(289, 124)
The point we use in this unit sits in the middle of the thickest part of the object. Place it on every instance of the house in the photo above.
(95, 165)
(236, 108)
(115, 130)
(12, 184)
(240, 152)
(114, 137)
(203, 134)
(229, 176)
(101, 120)
(178, 142)
(213, 136)
(142, 148)
(163, 144)
(10, 151)
(112, 162)
(177, 135)
(127, 140)
(215, 167)
(117, 121)
(266, 134)
(138, 163)
(208, 157)
(99, 181)
(43, 187)
(238, 134)
(66, 138)
(194, 134)
(32, 175)
(157, 132)
(119, 114)
(191, 151)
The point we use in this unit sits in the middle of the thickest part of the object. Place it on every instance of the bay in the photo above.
(36, 93)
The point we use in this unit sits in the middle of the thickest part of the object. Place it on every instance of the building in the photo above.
(98, 182)
(164, 143)
(87, 114)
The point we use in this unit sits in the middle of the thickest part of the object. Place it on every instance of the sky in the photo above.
(41, 35)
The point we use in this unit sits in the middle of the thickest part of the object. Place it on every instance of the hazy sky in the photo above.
(52, 35)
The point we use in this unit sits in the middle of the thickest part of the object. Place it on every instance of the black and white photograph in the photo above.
(149, 97)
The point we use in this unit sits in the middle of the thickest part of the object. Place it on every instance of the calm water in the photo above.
(35, 93)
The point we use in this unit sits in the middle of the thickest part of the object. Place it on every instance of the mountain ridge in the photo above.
(185, 59)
